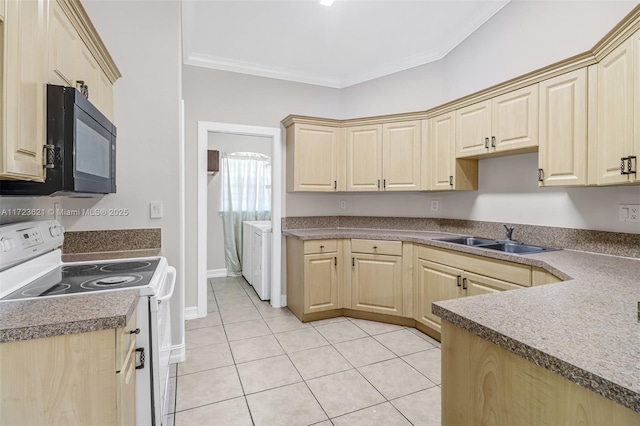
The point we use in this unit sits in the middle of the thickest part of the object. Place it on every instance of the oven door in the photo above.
(160, 310)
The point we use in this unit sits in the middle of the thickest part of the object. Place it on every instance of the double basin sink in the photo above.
(504, 246)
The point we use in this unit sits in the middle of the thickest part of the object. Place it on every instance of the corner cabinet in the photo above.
(562, 155)
(45, 41)
(618, 104)
(439, 161)
(315, 158)
(73, 379)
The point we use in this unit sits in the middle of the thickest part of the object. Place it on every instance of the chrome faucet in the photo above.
(509, 232)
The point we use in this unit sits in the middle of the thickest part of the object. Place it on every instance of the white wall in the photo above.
(224, 142)
(146, 47)
(226, 97)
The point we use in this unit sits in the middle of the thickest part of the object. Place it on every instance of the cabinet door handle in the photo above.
(486, 143)
(628, 170)
(141, 365)
(83, 88)
(451, 180)
(375, 247)
(335, 261)
(540, 174)
(493, 141)
(378, 183)
(458, 280)
(335, 184)
(136, 331)
(321, 247)
(353, 261)
(50, 156)
(464, 283)
(384, 183)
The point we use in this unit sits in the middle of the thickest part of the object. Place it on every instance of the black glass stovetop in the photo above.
(88, 277)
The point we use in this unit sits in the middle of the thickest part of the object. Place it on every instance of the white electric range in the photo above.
(31, 268)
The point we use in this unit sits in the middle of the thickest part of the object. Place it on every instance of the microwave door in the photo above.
(93, 157)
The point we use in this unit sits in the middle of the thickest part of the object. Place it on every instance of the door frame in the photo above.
(204, 127)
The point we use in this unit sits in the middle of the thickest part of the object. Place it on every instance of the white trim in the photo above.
(178, 353)
(204, 127)
(191, 313)
(216, 273)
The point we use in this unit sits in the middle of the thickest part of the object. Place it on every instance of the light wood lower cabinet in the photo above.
(485, 384)
(442, 274)
(376, 283)
(314, 276)
(75, 379)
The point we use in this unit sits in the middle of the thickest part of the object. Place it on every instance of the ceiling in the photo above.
(338, 46)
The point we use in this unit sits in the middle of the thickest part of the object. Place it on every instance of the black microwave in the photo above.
(80, 150)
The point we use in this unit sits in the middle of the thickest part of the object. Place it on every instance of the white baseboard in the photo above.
(190, 313)
(216, 273)
(178, 353)
(283, 300)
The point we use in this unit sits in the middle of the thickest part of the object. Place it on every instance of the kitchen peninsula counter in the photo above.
(48, 317)
(585, 328)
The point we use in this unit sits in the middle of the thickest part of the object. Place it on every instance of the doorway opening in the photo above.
(210, 132)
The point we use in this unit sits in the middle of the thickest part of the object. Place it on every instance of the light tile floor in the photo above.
(248, 363)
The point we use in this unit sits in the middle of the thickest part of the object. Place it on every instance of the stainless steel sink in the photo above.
(467, 241)
(498, 245)
(517, 248)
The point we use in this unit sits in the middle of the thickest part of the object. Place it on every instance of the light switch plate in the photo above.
(435, 205)
(155, 209)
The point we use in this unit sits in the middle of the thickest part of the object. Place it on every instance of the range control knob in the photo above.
(56, 230)
(7, 244)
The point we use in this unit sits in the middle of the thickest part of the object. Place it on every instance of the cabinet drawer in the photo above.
(124, 341)
(507, 271)
(320, 246)
(393, 248)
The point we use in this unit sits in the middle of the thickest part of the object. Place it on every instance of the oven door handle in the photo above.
(171, 278)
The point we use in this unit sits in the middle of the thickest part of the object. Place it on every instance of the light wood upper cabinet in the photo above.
(364, 158)
(63, 45)
(618, 106)
(384, 157)
(23, 120)
(506, 123)
(447, 172)
(401, 156)
(562, 155)
(3, 4)
(376, 280)
(473, 129)
(313, 154)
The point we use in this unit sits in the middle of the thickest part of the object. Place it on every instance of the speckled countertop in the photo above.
(38, 318)
(585, 328)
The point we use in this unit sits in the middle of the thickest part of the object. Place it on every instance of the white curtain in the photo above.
(246, 195)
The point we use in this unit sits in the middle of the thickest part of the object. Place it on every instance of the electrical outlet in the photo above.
(343, 204)
(155, 209)
(629, 213)
(435, 205)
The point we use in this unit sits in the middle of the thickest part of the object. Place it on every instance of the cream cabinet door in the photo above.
(616, 139)
(514, 120)
(434, 282)
(401, 156)
(442, 137)
(376, 283)
(475, 284)
(88, 72)
(473, 130)
(23, 122)
(562, 155)
(364, 158)
(320, 282)
(2, 9)
(315, 162)
(63, 47)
